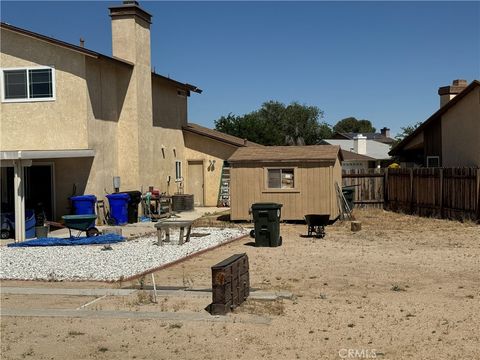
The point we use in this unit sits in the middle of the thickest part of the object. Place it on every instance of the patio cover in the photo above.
(20, 159)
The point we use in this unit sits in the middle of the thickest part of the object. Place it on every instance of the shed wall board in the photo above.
(314, 191)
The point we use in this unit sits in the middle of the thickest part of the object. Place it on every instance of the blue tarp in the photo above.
(101, 239)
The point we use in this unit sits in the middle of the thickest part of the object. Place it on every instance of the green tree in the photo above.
(351, 124)
(406, 131)
(278, 124)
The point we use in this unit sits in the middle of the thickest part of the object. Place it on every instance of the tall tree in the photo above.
(352, 124)
(407, 130)
(278, 124)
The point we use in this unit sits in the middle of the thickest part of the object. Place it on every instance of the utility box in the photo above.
(230, 284)
(266, 217)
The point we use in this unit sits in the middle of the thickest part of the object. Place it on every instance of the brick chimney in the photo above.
(447, 93)
(385, 132)
(360, 144)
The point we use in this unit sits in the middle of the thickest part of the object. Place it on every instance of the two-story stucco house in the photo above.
(73, 119)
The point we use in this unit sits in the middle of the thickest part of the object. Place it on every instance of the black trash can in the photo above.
(266, 217)
(135, 199)
(349, 194)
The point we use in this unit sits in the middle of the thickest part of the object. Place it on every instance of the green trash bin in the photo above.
(266, 217)
(349, 193)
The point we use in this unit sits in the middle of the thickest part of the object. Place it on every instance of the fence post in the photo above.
(385, 189)
(411, 190)
(478, 196)
(441, 193)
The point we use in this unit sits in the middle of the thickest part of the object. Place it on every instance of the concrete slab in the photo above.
(254, 294)
(63, 291)
(117, 314)
(141, 228)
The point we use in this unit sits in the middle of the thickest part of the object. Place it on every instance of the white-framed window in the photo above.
(178, 170)
(281, 178)
(433, 161)
(28, 84)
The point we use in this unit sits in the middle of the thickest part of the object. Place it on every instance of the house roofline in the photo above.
(187, 86)
(218, 138)
(90, 53)
(396, 149)
(63, 44)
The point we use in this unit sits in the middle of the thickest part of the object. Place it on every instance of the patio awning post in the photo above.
(19, 187)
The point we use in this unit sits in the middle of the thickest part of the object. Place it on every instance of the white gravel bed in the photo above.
(90, 262)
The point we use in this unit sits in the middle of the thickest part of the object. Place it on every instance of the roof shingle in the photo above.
(287, 153)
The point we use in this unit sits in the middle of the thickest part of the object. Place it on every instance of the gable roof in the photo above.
(87, 52)
(435, 117)
(218, 135)
(350, 155)
(287, 153)
(370, 136)
(375, 149)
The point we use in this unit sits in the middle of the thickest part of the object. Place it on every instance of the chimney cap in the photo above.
(360, 137)
(129, 8)
(454, 89)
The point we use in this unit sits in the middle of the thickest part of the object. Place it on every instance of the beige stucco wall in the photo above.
(314, 191)
(46, 125)
(199, 147)
(162, 139)
(122, 114)
(461, 132)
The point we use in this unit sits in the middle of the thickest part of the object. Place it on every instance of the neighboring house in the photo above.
(451, 136)
(383, 136)
(72, 119)
(354, 161)
(301, 178)
(366, 153)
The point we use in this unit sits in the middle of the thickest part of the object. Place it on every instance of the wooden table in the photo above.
(164, 226)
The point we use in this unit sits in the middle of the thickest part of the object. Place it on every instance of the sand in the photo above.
(401, 288)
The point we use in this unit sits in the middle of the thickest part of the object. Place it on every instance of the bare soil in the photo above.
(402, 288)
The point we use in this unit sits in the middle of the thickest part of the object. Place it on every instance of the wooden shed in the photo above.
(302, 178)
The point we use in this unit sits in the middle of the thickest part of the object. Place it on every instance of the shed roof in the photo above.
(218, 135)
(287, 153)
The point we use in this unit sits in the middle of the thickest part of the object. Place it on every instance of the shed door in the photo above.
(195, 181)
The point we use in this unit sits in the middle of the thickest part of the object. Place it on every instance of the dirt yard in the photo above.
(402, 288)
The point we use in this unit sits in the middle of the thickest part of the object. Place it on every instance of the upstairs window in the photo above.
(29, 84)
(281, 178)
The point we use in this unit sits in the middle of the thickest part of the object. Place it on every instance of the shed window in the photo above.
(28, 84)
(281, 179)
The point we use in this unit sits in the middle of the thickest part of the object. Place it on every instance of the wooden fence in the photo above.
(368, 185)
(451, 193)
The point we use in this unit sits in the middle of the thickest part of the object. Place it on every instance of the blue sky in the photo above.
(381, 61)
